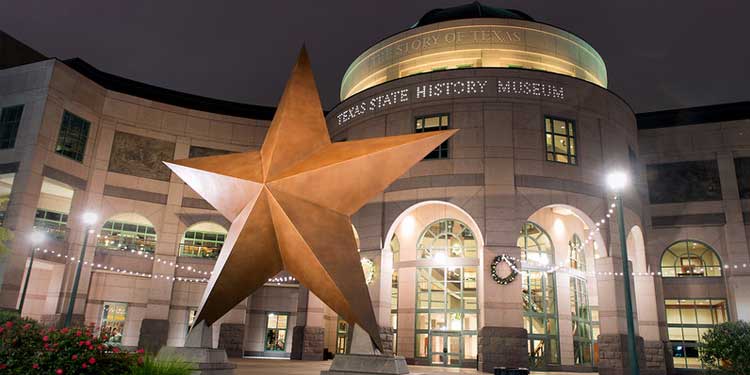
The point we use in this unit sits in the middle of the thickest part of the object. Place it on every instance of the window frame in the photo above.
(73, 155)
(688, 241)
(266, 329)
(682, 325)
(570, 124)
(14, 123)
(445, 143)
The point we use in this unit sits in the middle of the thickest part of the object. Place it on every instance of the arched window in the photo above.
(690, 259)
(535, 244)
(449, 238)
(539, 297)
(127, 232)
(203, 240)
(577, 255)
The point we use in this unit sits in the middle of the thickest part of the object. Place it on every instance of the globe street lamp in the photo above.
(89, 218)
(36, 238)
(617, 181)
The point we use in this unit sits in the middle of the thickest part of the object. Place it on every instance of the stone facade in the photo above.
(307, 343)
(154, 333)
(502, 347)
(231, 339)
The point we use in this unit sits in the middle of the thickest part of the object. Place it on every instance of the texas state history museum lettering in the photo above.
(453, 88)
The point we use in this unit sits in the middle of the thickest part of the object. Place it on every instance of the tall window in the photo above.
(560, 137)
(276, 328)
(434, 123)
(535, 245)
(54, 223)
(580, 314)
(117, 235)
(342, 335)
(687, 321)
(690, 259)
(447, 238)
(74, 132)
(202, 244)
(577, 254)
(396, 250)
(10, 118)
(539, 297)
(113, 320)
(447, 315)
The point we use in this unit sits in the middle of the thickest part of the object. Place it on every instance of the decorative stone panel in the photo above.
(502, 347)
(154, 333)
(140, 156)
(614, 356)
(231, 339)
(307, 343)
(198, 151)
(685, 181)
(654, 355)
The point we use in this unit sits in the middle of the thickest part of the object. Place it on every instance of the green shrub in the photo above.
(28, 348)
(162, 366)
(726, 348)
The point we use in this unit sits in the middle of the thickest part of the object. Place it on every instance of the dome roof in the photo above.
(472, 10)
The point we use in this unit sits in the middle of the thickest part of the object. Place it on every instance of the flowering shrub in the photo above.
(28, 348)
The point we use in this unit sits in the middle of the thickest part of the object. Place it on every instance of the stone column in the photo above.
(406, 312)
(648, 324)
(307, 339)
(736, 240)
(155, 326)
(613, 340)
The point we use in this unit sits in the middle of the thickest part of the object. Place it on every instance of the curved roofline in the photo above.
(167, 96)
(333, 109)
(437, 23)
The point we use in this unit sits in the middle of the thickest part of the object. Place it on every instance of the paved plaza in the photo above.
(252, 366)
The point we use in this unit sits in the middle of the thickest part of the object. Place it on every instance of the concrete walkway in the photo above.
(251, 366)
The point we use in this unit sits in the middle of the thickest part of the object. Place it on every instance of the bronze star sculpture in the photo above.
(290, 204)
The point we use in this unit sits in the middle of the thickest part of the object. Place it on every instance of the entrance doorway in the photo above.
(445, 349)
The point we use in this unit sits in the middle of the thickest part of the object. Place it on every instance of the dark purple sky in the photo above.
(659, 54)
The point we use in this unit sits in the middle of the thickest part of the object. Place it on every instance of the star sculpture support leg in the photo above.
(291, 203)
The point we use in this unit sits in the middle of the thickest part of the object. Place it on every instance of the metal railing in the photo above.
(198, 251)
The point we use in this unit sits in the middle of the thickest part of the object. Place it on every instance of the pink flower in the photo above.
(45, 338)
(64, 330)
(9, 324)
(74, 357)
(78, 333)
(3, 366)
(140, 360)
(59, 371)
(140, 351)
(91, 347)
(2, 329)
(88, 342)
(26, 326)
(36, 365)
(83, 365)
(92, 360)
(116, 350)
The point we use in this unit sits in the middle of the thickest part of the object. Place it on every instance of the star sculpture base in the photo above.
(198, 351)
(365, 359)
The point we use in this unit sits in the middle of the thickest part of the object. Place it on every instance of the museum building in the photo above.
(500, 248)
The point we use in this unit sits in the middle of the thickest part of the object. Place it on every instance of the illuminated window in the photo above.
(202, 244)
(446, 315)
(276, 328)
(560, 138)
(10, 118)
(690, 259)
(535, 245)
(342, 335)
(577, 254)
(117, 235)
(447, 238)
(74, 132)
(687, 321)
(434, 123)
(539, 296)
(113, 320)
(54, 223)
(580, 315)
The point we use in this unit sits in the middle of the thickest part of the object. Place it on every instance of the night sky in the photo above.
(659, 54)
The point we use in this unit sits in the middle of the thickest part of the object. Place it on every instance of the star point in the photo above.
(290, 204)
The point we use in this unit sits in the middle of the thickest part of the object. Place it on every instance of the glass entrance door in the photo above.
(445, 348)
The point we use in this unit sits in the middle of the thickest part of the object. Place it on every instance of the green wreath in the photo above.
(512, 263)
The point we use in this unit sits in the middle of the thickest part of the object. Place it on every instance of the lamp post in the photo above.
(89, 218)
(617, 181)
(36, 238)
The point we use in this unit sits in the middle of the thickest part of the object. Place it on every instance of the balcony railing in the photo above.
(199, 251)
(132, 244)
(54, 231)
